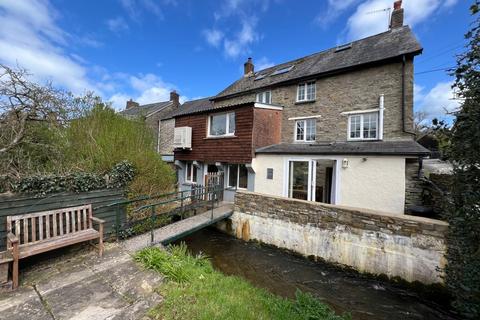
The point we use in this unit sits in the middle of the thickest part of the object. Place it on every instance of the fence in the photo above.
(15, 205)
(149, 213)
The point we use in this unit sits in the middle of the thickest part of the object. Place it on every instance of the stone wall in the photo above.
(380, 243)
(350, 91)
(414, 185)
(153, 122)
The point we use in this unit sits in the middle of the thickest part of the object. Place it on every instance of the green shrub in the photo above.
(103, 138)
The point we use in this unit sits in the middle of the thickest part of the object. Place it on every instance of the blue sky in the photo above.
(142, 49)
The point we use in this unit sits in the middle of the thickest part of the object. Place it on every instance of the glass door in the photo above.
(300, 179)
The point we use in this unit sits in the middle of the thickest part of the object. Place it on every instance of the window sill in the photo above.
(220, 137)
(189, 183)
(362, 140)
(305, 102)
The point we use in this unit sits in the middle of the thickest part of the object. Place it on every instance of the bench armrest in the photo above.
(11, 238)
(97, 220)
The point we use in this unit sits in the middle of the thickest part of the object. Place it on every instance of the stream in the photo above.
(283, 273)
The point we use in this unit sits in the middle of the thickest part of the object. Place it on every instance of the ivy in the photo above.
(40, 185)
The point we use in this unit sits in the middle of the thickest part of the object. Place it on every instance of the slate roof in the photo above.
(383, 46)
(194, 106)
(405, 148)
(146, 109)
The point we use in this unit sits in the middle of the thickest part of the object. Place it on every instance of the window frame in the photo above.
(361, 115)
(305, 91)
(237, 186)
(263, 94)
(193, 177)
(305, 130)
(227, 125)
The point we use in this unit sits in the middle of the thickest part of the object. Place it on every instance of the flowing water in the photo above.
(283, 273)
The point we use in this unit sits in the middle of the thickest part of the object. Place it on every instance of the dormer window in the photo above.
(305, 130)
(306, 91)
(264, 97)
(220, 125)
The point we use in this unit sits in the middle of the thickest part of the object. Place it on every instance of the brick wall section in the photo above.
(328, 217)
(414, 186)
(354, 90)
(166, 137)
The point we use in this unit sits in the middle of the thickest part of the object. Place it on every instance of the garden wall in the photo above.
(380, 243)
(15, 204)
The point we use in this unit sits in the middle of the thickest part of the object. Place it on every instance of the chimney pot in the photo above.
(248, 68)
(175, 98)
(396, 21)
(131, 104)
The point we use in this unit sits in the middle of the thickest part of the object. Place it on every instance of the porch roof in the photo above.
(400, 148)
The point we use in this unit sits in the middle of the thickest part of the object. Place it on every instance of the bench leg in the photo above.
(15, 255)
(100, 241)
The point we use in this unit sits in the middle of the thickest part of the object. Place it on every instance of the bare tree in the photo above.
(23, 101)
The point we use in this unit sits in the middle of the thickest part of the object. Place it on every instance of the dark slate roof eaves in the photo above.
(383, 46)
(404, 148)
(203, 105)
(146, 109)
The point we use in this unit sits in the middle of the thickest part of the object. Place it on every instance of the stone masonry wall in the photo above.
(153, 123)
(380, 243)
(413, 184)
(355, 90)
(165, 146)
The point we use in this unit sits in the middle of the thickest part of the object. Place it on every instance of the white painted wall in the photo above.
(377, 183)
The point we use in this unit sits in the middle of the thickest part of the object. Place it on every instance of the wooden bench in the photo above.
(34, 233)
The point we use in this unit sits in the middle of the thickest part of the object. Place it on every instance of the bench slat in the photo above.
(67, 224)
(34, 229)
(60, 220)
(79, 224)
(25, 230)
(73, 221)
(47, 226)
(85, 218)
(17, 229)
(54, 216)
(40, 228)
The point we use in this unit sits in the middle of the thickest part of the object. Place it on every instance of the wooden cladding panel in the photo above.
(236, 149)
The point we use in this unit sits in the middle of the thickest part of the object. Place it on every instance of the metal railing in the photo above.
(171, 207)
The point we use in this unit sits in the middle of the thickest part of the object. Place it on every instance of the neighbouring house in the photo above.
(154, 114)
(335, 127)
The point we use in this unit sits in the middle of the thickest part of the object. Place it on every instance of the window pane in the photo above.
(259, 97)
(218, 125)
(370, 125)
(354, 127)
(189, 172)
(232, 175)
(194, 175)
(268, 97)
(310, 130)
(300, 130)
(243, 177)
(301, 92)
(231, 122)
(311, 91)
(298, 181)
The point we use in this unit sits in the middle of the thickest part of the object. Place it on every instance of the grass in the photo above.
(195, 290)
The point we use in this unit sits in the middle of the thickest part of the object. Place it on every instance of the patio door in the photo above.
(311, 180)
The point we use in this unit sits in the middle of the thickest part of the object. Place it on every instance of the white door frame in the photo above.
(312, 167)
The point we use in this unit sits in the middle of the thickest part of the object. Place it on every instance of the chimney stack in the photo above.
(131, 104)
(248, 68)
(175, 98)
(396, 21)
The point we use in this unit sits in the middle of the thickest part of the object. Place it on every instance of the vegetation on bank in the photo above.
(194, 290)
(463, 239)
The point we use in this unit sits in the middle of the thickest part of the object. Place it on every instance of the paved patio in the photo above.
(80, 285)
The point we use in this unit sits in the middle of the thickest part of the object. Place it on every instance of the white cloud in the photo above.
(240, 43)
(213, 36)
(437, 102)
(147, 88)
(29, 37)
(117, 24)
(136, 8)
(371, 17)
(236, 42)
(334, 10)
(263, 63)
